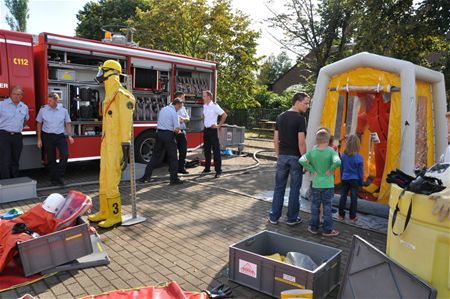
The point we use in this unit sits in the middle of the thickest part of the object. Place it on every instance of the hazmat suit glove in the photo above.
(219, 292)
(442, 204)
(125, 156)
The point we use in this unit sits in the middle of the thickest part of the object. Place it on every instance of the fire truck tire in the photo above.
(143, 147)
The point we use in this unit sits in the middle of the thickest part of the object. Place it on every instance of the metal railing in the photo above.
(251, 118)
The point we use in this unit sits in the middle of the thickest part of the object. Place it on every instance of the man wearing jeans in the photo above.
(289, 143)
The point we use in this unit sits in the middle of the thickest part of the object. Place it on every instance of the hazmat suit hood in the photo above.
(111, 81)
(104, 74)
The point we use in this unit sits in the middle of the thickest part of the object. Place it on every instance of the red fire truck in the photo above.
(67, 65)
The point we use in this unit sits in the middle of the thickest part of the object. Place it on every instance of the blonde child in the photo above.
(321, 161)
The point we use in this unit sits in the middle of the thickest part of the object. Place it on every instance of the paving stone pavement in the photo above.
(186, 236)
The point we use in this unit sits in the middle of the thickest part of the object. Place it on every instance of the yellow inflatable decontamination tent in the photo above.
(397, 108)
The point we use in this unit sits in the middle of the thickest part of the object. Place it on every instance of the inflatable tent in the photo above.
(397, 108)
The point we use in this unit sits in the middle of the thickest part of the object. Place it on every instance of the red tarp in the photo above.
(171, 291)
(13, 277)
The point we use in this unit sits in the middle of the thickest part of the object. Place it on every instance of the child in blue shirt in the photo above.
(352, 176)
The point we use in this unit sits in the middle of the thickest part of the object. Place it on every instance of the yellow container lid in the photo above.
(297, 293)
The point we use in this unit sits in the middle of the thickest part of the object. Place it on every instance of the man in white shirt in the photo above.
(211, 111)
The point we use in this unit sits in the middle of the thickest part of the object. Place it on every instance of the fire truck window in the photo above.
(145, 78)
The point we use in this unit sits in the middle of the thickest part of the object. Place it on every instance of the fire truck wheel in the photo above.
(143, 147)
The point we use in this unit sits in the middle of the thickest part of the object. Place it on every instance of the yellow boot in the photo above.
(114, 213)
(103, 211)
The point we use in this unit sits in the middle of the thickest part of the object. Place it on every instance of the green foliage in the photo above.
(274, 67)
(399, 29)
(19, 14)
(270, 100)
(95, 14)
(435, 15)
(318, 30)
(200, 28)
(435, 23)
(334, 29)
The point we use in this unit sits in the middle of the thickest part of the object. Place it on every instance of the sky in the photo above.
(59, 16)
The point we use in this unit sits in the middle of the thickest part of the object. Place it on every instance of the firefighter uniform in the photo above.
(168, 126)
(118, 107)
(211, 111)
(53, 122)
(12, 119)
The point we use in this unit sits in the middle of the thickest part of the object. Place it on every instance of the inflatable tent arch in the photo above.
(416, 113)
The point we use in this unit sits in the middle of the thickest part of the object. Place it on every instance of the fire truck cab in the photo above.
(66, 65)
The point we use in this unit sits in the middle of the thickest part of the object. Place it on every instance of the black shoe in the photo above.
(183, 171)
(218, 174)
(176, 182)
(54, 182)
(61, 182)
(144, 179)
(295, 222)
(205, 172)
(275, 222)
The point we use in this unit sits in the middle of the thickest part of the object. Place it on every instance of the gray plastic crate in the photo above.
(369, 273)
(17, 189)
(250, 267)
(231, 136)
(98, 257)
(55, 249)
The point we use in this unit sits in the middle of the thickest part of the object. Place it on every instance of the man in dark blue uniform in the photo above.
(52, 121)
(168, 126)
(13, 117)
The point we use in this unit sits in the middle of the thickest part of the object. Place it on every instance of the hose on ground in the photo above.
(167, 177)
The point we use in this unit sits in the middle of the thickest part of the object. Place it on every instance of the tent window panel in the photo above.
(339, 117)
(350, 115)
(421, 132)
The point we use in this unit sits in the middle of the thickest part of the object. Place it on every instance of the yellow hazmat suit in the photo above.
(118, 107)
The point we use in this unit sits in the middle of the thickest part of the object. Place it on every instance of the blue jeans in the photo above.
(324, 196)
(287, 165)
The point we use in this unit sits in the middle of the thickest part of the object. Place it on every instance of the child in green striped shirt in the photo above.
(321, 161)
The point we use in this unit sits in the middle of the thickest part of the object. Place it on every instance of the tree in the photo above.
(322, 29)
(435, 14)
(274, 67)
(435, 19)
(94, 15)
(398, 29)
(199, 28)
(334, 29)
(19, 11)
(388, 28)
